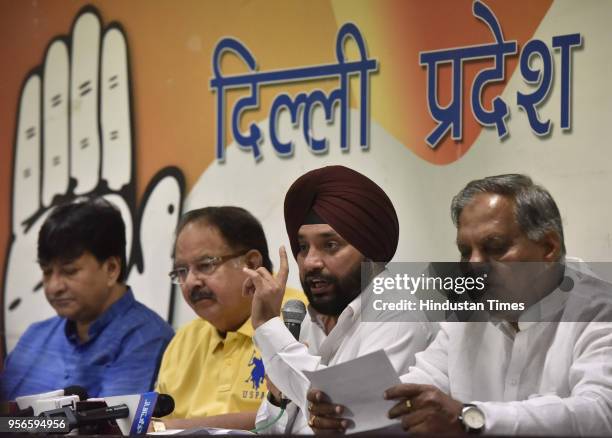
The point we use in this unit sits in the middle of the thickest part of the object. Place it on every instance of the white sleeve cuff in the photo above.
(266, 413)
(500, 417)
(272, 337)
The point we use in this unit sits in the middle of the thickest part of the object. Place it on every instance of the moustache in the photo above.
(318, 276)
(199, 294)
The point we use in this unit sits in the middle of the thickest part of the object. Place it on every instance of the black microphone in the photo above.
(99, 416)
(294, 312)
(102, 414)
(164, 405)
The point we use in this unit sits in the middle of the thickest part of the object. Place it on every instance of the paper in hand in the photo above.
(358, 385)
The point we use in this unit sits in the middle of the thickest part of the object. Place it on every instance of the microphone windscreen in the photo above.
(294, 312)
(164, 405)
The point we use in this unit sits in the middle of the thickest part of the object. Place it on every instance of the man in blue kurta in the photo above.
(102, 338)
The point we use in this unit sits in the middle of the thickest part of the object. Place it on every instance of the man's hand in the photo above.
(425, 409)
(267, 290)
(323, 415)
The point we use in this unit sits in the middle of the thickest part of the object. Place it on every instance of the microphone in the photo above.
(125, 414)
(26, 401)
(32, 405)
(93, 417)
(142, 407)
(76, 390)
(164, 405)
(294, 312)
(102, 414)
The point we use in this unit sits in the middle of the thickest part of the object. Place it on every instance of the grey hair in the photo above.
(535, 209)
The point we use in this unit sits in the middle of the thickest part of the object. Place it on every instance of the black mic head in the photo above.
(76, 390)
(164, 405)
(293, 312)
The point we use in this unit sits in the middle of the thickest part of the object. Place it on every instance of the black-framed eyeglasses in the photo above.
(205, 266)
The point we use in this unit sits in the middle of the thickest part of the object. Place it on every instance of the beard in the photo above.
(342, 290)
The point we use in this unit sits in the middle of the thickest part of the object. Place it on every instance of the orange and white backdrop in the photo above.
(165, 106)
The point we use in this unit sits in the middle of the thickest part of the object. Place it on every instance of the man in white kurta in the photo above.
(548, 378)
(545, 369)
(337, 219)
(285, 359)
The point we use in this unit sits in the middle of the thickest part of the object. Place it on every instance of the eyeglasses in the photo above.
(205, 266)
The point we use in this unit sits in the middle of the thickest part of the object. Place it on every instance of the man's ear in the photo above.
(253, 259)
(552, 245)
(112, 265)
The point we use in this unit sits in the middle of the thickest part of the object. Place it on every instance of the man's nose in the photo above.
(478, 264)
(194, 278)
(54, 283)
(476, 256)
(313, 260)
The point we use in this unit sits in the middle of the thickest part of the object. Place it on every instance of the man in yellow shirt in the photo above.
(211, 368)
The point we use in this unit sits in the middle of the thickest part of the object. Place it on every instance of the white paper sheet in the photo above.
(359, 385)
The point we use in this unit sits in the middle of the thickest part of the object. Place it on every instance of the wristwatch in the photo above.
(283, 401)
(472, 418)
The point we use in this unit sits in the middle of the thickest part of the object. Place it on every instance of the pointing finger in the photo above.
(84, 137)
(115, 110)
(55, 123)
(159, 213)
(283, 270)
(26, 170)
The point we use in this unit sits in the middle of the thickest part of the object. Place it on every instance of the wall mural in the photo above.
(75, 137)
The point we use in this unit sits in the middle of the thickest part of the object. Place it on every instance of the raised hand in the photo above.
(74, 138)
(267, 290)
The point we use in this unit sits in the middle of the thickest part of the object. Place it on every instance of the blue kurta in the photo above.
(122, 354)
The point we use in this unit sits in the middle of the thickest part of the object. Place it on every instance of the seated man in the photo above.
(101, 339)
(516, 374)
(211, 367)
(337, 219)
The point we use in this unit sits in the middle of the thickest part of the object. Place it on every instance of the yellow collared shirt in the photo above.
(209, 375)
